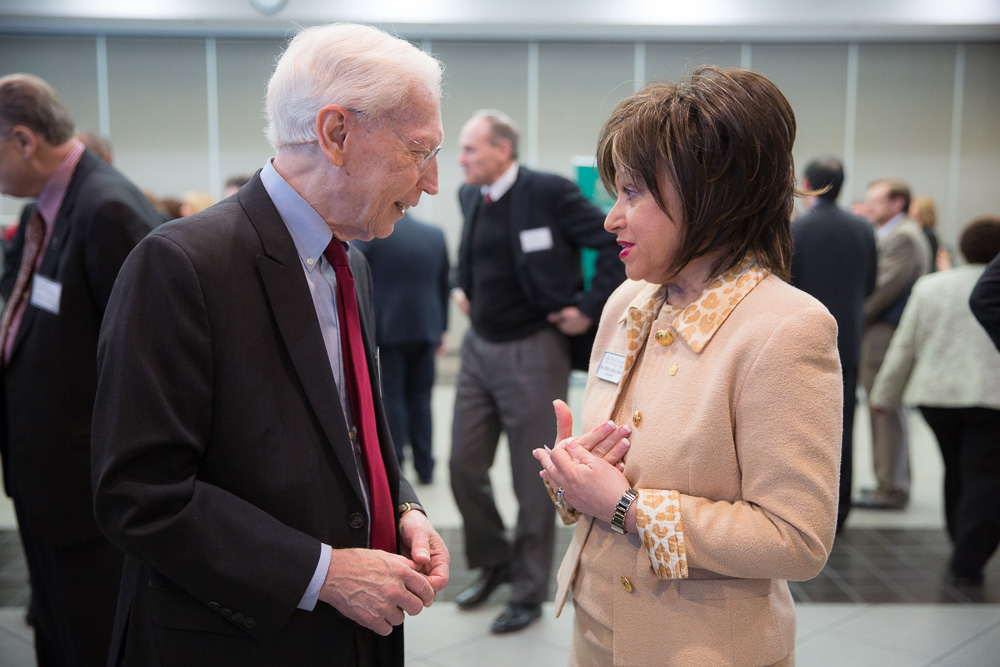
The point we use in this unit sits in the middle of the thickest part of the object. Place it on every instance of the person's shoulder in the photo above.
(773, 295)
(544, 179)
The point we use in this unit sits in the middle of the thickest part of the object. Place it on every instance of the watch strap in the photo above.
(621, 510)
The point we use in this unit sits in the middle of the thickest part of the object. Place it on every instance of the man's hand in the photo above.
(375, 588)
(461, 300)
(425, 548)
(571, 321)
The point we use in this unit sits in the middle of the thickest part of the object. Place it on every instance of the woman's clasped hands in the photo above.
(588, 469)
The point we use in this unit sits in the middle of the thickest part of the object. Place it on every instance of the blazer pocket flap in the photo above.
(724, 589)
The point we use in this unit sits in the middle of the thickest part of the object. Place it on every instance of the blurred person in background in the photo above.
(834, 260)
(62, 264)
(942, 361)
(903, 256)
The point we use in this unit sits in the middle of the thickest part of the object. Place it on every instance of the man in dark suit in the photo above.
(520, 282)
(410, 278)
(242, 458)
(834, 260)
(63, 262)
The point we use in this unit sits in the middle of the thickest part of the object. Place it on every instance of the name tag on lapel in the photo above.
(46, 294)
(533, 240)
(611, 367)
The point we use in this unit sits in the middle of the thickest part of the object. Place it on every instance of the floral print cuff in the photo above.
(658, 518)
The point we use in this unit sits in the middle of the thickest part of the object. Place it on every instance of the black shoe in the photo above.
(516, 616)
(873, 500)
(480, 589)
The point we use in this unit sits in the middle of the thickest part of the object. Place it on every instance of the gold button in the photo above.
(673, 369)
(664, 337)
(636, 417)
(626, 584)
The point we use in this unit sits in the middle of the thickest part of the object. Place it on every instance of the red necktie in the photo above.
(362, 404)
(487, 199)
(34, 233)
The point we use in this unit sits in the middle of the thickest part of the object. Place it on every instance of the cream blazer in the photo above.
(748, 431)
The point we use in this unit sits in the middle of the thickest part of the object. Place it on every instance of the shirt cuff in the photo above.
(308, 601)
(658, 518)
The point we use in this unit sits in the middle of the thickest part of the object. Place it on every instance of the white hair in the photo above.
(359, 67)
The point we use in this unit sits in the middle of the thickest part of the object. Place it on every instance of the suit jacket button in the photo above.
(214, 606)
(237, 618)
(227, 612)
(626, 584)
(249, 623)
(356, 520)
(664, 337)
(637, 418)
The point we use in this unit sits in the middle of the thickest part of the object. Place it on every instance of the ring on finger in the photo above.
(560, 497)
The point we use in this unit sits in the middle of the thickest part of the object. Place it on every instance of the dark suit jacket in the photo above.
(551, 279)
(410, 276)
(834, 260)
(49, 384)
(221, 453)
(985, 300)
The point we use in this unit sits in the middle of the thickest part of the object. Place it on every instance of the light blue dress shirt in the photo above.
(311, 235)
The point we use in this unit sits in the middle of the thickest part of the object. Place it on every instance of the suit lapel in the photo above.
(291, 303)
(53, 251)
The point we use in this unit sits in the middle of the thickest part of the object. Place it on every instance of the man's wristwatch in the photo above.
(621, 510)
(406, 507)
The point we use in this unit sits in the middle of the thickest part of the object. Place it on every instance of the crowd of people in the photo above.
(206, 405)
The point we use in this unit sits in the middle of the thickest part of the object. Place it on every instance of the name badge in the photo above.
(46, 293)
(611, 368)
(533, 240)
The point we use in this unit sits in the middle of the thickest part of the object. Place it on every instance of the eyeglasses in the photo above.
(427, 153)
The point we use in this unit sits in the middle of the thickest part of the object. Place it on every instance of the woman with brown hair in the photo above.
(725, 378)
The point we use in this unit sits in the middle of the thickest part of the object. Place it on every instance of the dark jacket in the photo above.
(50, 381)
(221, 454)
(834, 260)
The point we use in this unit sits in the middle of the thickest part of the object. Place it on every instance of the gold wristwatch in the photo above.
(406, 507)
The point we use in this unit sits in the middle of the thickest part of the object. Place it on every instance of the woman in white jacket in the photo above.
(941, 360)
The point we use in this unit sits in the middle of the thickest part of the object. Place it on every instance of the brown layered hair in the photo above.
(723, 138)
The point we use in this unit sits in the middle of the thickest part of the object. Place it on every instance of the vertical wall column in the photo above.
(850, 114)
(214, 157)
(955, 162)
(531, 152)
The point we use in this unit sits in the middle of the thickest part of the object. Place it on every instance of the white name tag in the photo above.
(611, 368)
(46, 293)
(533, 240)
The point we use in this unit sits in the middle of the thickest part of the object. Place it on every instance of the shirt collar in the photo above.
(309, 231)
(505, 182)
(887, 228)
(698, 322)
(54, 191)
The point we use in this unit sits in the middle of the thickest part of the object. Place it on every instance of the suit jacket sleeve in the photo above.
(152, 421)
(114, 229)
(583, 223)
(899, 265)
(985, 300)
(786, 419)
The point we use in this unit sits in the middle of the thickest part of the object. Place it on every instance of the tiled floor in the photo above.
(881, 600)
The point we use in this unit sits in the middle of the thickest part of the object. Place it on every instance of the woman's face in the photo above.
(648, 237)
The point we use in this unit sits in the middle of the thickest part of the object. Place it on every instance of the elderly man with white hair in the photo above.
(242, 458)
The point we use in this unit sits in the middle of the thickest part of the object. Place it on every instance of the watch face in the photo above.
(267, 6)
